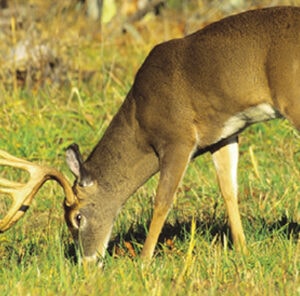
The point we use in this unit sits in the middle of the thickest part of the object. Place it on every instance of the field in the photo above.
(41, 116)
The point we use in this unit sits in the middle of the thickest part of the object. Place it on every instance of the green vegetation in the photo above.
(194, 255)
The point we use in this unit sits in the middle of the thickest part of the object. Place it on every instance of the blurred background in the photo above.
(64, 43)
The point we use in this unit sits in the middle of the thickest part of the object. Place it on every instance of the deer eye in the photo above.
(78, 219)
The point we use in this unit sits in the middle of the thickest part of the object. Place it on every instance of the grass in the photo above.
(194, 254)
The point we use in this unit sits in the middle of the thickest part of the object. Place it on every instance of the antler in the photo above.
(23, 194)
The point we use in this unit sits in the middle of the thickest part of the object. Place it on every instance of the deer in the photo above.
(191, 95)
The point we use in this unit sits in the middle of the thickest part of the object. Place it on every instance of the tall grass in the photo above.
(194, 255)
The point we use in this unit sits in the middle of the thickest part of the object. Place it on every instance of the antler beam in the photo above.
(23, 193)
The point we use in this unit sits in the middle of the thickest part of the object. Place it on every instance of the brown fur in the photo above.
(190, 95)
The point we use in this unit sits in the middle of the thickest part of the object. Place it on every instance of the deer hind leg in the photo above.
(225, 160)
(172, 168)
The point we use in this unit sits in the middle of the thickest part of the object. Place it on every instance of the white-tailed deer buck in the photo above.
(191, 95)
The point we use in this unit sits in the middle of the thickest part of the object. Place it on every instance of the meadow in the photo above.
(194, 256)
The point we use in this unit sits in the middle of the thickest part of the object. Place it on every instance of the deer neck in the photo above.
(122, 161)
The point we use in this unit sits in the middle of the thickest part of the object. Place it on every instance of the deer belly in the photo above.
(239, 121)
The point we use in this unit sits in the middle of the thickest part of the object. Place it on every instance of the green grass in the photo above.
(194, 254)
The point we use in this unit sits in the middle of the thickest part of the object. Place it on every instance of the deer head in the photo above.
(82, 218)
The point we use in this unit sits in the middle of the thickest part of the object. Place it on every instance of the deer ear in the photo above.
(75, 163)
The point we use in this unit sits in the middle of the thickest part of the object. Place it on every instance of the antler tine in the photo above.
(22, 194)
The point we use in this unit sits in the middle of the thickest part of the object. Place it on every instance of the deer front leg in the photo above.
(172, 169)
(226, 163)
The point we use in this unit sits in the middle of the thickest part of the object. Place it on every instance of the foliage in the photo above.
(194, 255)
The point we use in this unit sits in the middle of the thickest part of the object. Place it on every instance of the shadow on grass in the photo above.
(289, 229)
(215, 230)
(212, 230)
(179, 230)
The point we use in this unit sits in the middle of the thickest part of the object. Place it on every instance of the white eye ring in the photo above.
(79, 221)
